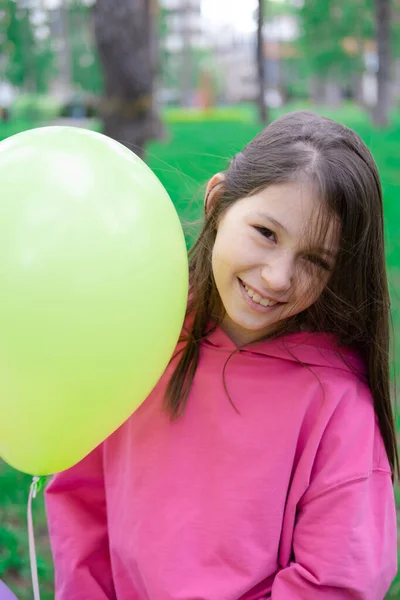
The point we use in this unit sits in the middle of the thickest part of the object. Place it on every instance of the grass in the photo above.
(197, 146)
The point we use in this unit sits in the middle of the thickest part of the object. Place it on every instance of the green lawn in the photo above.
(195, 148)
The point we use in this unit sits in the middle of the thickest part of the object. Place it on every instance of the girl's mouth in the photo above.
(255, 300)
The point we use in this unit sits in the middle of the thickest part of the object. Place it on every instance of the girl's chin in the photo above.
(249, 327)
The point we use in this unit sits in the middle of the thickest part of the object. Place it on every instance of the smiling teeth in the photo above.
(258, 299)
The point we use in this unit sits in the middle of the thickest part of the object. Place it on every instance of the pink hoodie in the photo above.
(289, 498)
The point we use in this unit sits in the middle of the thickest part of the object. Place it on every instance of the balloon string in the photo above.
(32, 550)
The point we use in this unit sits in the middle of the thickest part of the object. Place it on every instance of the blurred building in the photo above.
(183, 37)
(234, 58)
(235, 55)
(202, 61)
(184, 25)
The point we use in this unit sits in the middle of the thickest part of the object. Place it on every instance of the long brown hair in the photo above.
(355, 305)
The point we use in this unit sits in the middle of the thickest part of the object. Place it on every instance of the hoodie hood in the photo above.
(311, 349)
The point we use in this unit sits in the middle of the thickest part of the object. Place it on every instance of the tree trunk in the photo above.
(382, 16)
(261, 64)
(125, 37)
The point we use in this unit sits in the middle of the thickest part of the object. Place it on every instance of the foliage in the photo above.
(28, 53)
(336, 35)
(35, 108)
(25, 46)
(85, 65)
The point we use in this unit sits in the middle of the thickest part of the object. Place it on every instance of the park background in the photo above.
(185, 84)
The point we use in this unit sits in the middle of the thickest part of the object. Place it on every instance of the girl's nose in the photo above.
(278, 275)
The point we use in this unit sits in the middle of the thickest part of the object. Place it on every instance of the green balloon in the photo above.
(94, 281)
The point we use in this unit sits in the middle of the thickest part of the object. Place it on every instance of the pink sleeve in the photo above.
(77, 518)
(345, 544)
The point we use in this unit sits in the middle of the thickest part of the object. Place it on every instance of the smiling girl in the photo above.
(261, 464)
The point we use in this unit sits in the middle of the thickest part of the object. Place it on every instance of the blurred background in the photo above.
(185, 84)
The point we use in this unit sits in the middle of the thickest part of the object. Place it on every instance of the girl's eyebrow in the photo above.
(321, 250)
(263, 215)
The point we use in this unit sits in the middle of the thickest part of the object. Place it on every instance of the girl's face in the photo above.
(265, 263)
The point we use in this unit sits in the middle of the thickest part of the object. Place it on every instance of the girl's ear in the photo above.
(213, 188)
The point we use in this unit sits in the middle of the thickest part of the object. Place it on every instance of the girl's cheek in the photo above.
(317, 286)
(308, 286)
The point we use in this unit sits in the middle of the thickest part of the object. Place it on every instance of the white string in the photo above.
(31, 536)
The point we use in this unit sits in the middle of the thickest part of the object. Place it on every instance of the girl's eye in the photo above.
(265, 232)
(319, 262)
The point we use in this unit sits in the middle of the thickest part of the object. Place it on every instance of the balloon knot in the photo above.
(37, 485)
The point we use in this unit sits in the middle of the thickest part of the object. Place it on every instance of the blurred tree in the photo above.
(332, 42)
(11, 50)
(262, 108)
(25, 46)
(125, 36)
(383, 30)
(86, 72)
(43, 54)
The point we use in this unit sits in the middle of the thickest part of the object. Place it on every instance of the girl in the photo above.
(261, 464)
